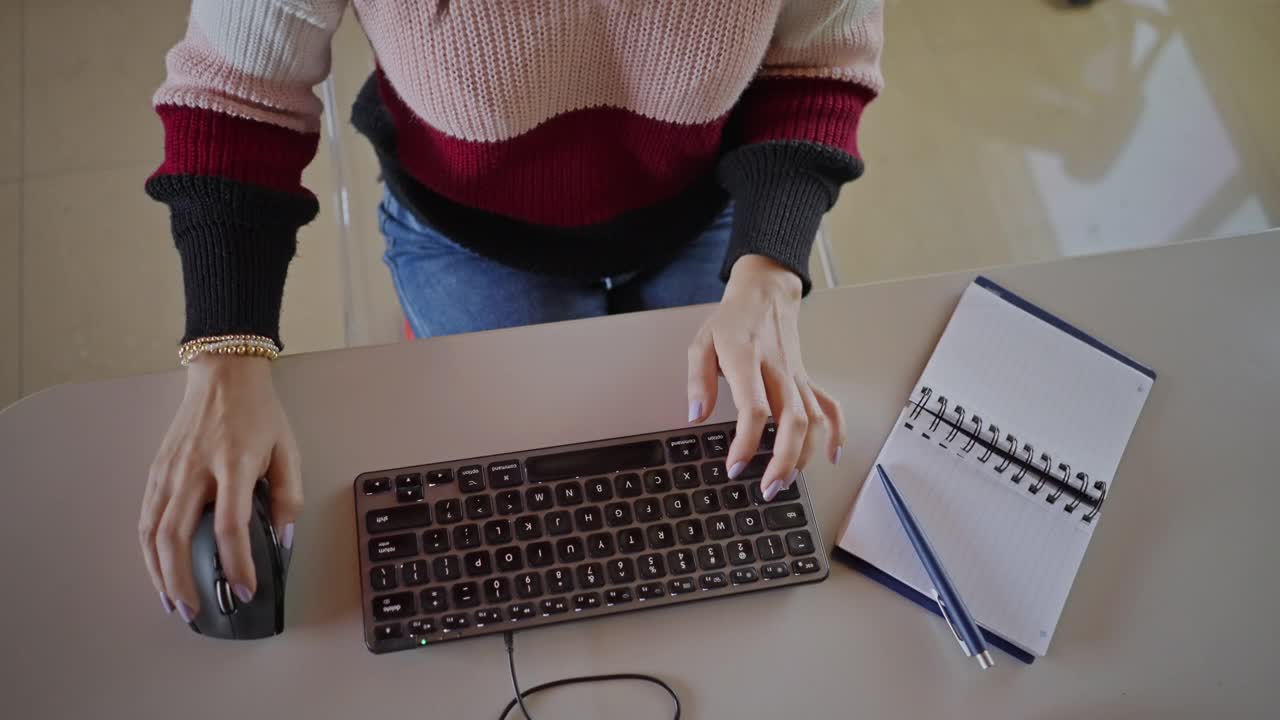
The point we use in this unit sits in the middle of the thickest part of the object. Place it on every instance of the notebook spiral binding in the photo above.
(942, 416)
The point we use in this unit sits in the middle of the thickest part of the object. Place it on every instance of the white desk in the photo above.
(1174, 613)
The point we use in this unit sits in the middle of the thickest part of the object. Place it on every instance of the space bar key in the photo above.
(594, 461)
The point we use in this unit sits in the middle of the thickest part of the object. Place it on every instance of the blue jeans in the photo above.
(446, 289)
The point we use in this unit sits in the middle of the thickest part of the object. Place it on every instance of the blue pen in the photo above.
(953, 609)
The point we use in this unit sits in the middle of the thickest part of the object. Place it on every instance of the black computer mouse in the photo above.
(221, 614)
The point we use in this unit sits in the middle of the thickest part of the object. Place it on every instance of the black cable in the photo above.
(508, 637)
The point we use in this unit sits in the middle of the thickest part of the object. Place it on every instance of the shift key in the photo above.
(393, 546)
(397, 518)
(781, 517)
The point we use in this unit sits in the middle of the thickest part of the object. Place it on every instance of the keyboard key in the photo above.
(466, 595)
(373, 486)
(680, 586)
(656, 482)
(661, 536)
(448, 511)
(600, 545)
(804, 566)
(744, 576)
(716, 444)
(554, 606)
(621, 570)
(599, 490)
(390, 631)
(711, 557)
(528, 527)
(682, 562)
(631, 540)
(799, 542)
(558, 522)
(652, 566)
(684, 448)
(478, 563)
(617, 514)
(470, 479)
(488, 616)
(393, 546)
(569, 493)
(454, 622)
(773, 571)
(690, 531)
(651, 591)
(559, 580)
(570, 550)
(713, 581)
(528, 585)
(769, 547)
(586, 601)
(508, 559)
(393, 606)
(588, 518)
(755, 467)
(713, 473)
(409, 494)
(740, 552)
(504, 474)
(522, 611)
(628, 485)
(768, 436)
(538, 498)
(735, 496)
(408, 480)
(539, 554)
(719, 527)
(509, 502)
(685, 477)
(439, 477)
(383, 577)
(648, 509)
(497, 532)
(757, 496)
(397, 518)
(590, 575)
(617, 596)
(706, 501)
(435, 541)
(479, 507)
(781, 517)
(748, 522)
(434, 599)
(497, 590)
(422, 626)
(414, 573)
(676, 505)
(594, 461)
(466, 536)
(446, 567)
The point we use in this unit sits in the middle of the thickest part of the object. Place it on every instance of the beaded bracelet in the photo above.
(245, 345)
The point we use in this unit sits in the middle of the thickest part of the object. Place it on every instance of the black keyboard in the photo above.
(474, 547)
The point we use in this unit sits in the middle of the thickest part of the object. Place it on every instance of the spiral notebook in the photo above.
(1006, 452)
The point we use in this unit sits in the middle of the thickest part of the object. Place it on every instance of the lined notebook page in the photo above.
(1012, 555)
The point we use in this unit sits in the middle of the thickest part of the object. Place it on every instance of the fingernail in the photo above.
(185, 612)
(835, 459)
(286, 537)
(771, 491)
(737, 469)
(242, 592)
(695, 410)
(166, 603)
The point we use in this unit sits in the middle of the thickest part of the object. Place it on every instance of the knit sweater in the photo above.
(582, 138)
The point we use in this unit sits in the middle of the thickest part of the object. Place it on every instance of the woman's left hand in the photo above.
(752, 338)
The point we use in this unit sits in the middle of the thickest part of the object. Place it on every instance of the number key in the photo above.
(741, 552)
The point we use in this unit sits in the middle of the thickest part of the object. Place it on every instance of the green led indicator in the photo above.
(423, 641)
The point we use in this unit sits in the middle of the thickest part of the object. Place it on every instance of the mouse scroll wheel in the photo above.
(226, 601)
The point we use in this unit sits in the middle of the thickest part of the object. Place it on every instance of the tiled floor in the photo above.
(1011, 130)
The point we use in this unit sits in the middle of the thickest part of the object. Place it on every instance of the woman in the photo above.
(543, 161)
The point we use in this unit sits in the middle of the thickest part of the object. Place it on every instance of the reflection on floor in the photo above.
(1011, 131)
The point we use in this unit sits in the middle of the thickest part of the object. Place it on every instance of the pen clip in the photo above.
(946, 615)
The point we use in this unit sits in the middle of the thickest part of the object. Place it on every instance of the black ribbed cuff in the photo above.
(780, 191)
(235, 240)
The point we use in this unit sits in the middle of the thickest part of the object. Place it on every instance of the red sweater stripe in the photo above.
(818, 110)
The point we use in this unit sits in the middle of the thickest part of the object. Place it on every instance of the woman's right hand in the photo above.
(229, 431)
